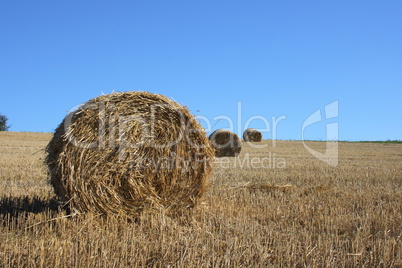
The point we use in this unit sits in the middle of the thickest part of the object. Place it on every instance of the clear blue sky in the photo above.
(278, 58)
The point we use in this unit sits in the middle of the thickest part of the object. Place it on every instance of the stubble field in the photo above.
(276, 206)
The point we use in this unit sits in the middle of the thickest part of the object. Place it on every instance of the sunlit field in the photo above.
(276, 206)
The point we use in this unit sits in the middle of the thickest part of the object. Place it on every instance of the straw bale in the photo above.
(252, 135)
(225, 143)
(124, 153)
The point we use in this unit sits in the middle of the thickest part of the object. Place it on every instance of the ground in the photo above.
(275, 206)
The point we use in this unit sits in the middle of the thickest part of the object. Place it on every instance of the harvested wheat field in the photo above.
(276, 206)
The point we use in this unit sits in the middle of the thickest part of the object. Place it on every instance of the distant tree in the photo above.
(3, 123)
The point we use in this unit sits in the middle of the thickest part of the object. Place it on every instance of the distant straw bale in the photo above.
(124, 153)
(226, 143)
(252, 135)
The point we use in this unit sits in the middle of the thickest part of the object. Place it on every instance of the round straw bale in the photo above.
(226, 143)
(124, 153)
(252, 135)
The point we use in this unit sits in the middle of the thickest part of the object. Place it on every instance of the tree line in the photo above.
(3, 123)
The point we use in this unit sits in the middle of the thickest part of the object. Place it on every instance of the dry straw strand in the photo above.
(252, 135)
(225, 143)
(124, 153)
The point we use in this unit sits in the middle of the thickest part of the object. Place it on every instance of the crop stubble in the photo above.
(274, 206)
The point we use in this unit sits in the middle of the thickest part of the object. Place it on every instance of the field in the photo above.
(276, 206)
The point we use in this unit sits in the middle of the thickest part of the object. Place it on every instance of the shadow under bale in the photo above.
(14, 206)
(225, 143)
(124, 153)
